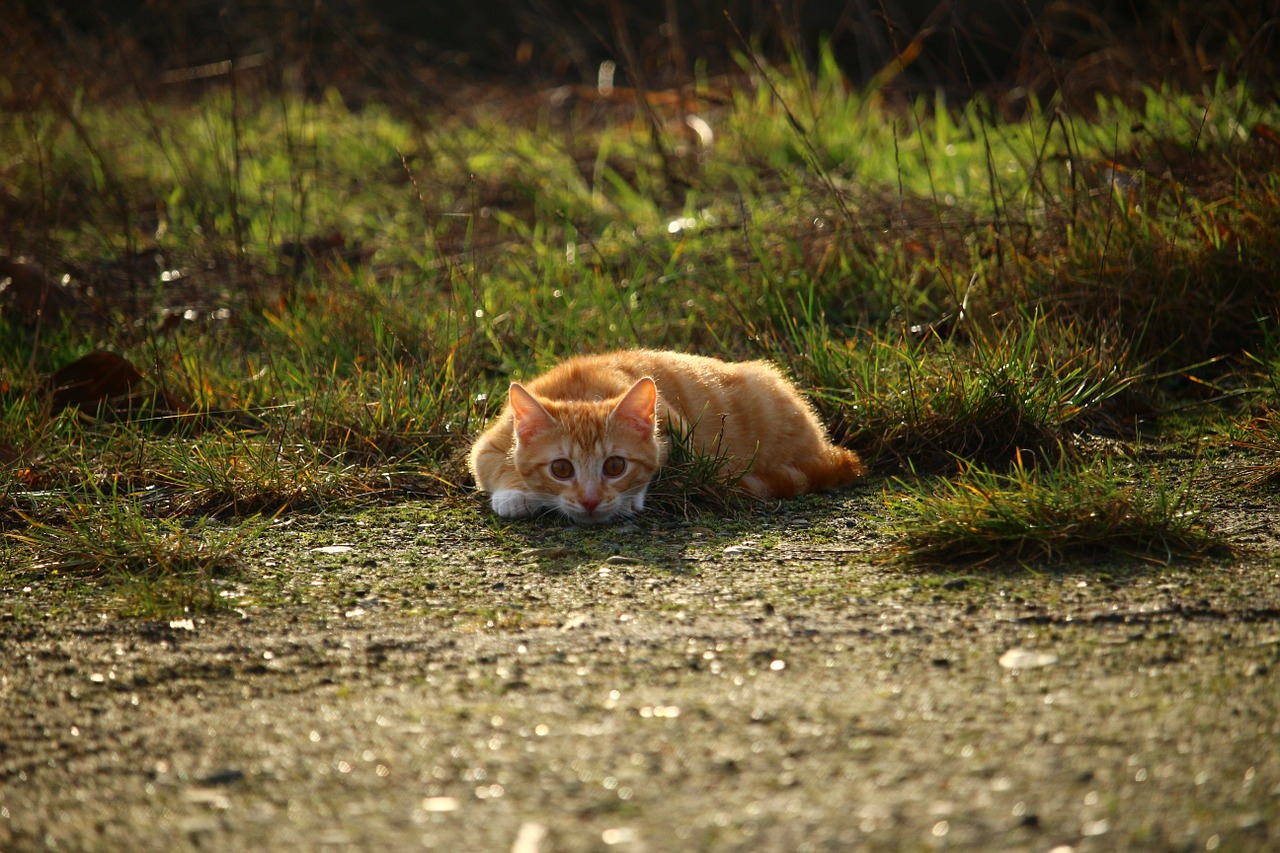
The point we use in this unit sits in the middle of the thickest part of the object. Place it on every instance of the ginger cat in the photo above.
(586, 437)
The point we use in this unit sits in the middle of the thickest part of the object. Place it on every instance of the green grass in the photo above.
(158, 566)
(1038, 516)
(1261, 436)
(959, 291)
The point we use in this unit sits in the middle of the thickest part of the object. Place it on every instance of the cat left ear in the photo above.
(531, 417)
(638, 408)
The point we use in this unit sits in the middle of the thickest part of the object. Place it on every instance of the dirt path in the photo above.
(443, 683)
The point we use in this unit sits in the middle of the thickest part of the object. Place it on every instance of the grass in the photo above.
(1262, 436)
(693, 480)
(1047, 516)
(333, 297)
(157, 566)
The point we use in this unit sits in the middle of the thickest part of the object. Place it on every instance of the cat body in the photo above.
(587, 437)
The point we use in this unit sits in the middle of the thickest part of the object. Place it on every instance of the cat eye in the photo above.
(614, 466)
(562, 469)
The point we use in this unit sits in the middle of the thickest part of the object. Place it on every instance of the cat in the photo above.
(587, 437)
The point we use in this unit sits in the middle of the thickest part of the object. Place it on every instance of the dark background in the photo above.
(966, 45)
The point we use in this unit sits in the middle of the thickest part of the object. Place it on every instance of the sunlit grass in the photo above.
(957, 289)
(1047, 515)
(159, 566)
(929, 404)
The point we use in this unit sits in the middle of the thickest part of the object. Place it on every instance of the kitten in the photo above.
(586, 437)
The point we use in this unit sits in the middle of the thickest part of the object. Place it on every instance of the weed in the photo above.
(928, 405)
(158, 565)
(1261, 435)
(1047, 515)
(696, 476)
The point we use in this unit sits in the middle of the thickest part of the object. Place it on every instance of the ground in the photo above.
(435, 679)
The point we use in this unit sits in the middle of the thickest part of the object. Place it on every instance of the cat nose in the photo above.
(589, 504)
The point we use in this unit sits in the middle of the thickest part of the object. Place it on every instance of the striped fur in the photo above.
(592, 408)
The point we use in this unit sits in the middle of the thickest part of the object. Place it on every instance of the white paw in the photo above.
(513, 503)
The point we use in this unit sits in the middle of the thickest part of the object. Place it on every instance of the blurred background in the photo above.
(965, 46)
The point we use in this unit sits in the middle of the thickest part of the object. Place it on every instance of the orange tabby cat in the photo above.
(586, 437)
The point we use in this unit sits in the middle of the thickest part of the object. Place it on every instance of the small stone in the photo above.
(619, 835)
(735, 550)
(619, 560)
(210, 797)
(333, 549)
(1252, 821)
(1027, 659)
(439, 804)
(529, 838)
(1095, 827)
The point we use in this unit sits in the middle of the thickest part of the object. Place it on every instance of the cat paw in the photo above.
(513, 503)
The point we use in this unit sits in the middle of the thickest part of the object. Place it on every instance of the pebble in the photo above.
(619, 560)
(439, 804)
(1027, 659)
(333, 549)
(529, 838)
(733, 550)
(210, 797)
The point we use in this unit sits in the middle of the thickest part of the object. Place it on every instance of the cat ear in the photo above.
(638, 407)
(531, 417)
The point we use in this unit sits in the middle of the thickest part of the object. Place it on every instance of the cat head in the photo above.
(590, 460)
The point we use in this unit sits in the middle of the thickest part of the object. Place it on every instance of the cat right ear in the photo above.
(638, 407)
(531, 417)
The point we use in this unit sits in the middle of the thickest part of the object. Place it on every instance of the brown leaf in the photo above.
(315, 247)
(108, 384)
(31, 294)
(92, 379)
(1267, 133)
(8, 454)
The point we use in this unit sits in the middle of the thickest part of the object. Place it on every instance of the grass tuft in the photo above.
(695, 479)
(1261, 436)
(933, 404)
(159, 565)
(1046, 516)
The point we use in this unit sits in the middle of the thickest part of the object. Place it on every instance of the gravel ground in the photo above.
(420, 677)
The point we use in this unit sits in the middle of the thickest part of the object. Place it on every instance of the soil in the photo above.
(434, 679)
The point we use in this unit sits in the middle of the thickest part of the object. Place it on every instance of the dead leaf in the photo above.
(104, 383)
(314, 247)
(8, 454)
(1267, 133)
(32, 295)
